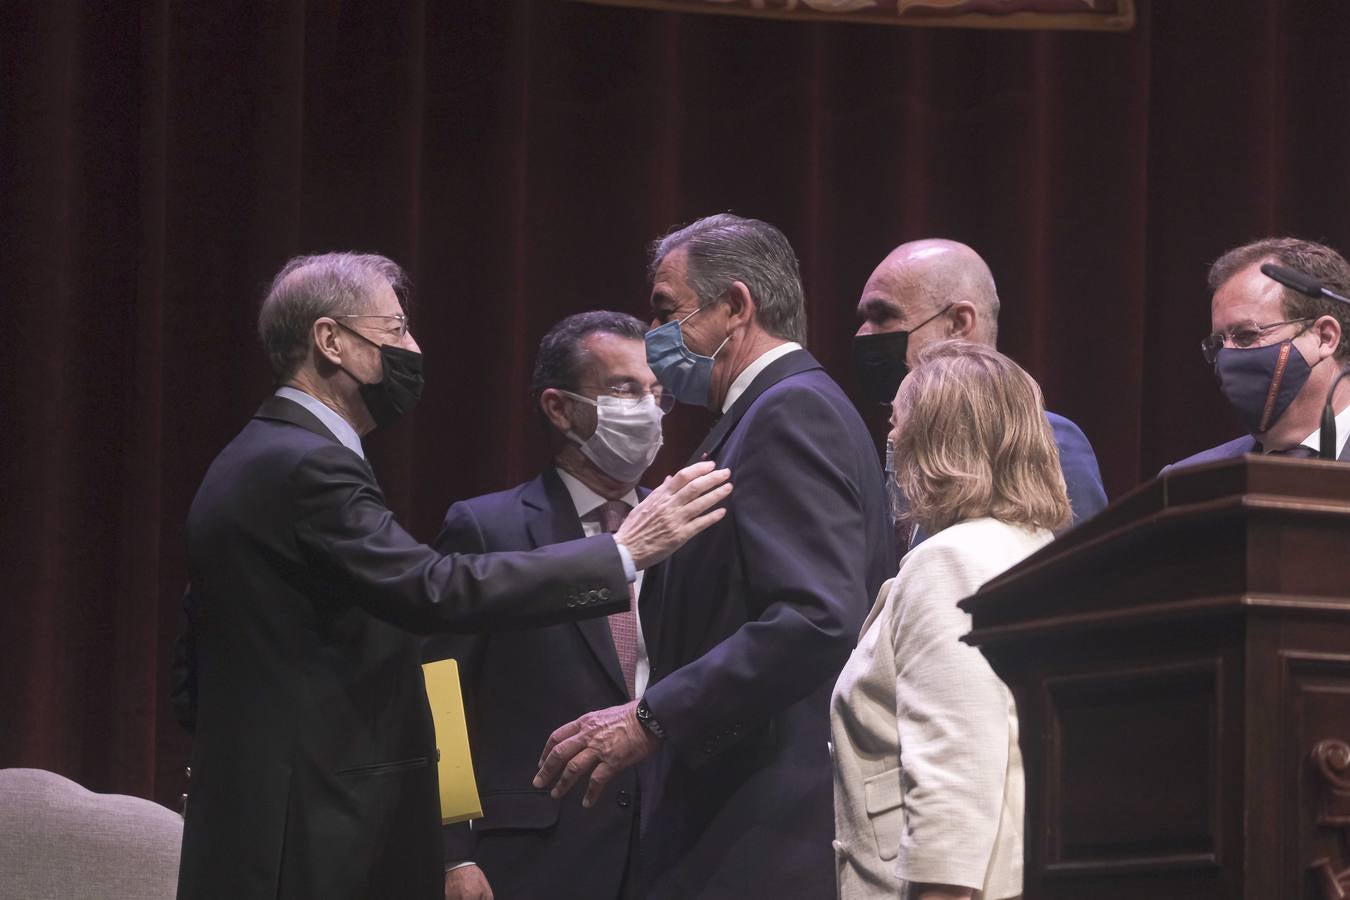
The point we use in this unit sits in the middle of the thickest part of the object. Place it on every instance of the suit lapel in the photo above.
(283, 410)
(789, 364)
(551, 518)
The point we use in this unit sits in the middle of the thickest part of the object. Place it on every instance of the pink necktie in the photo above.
(622, 625)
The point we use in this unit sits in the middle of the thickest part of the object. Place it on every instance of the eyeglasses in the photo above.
(629, 398)
(401, 319)
(1242, 337)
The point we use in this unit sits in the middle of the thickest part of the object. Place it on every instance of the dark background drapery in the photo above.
(160, 161)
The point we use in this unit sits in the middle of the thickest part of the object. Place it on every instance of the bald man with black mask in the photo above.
(932, 290)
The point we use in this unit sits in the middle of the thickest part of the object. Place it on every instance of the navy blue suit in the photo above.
(1082, 478)
(1231, 449)
(518, 687)
(748, 628)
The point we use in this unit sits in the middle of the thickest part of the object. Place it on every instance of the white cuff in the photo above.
(629, 570)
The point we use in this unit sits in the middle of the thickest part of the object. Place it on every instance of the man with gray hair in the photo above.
(750, 623)
(931, 290)
(314, 758)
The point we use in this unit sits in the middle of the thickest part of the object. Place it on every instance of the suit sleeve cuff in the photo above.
(629, 570)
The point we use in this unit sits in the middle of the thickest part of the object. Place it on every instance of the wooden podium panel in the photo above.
(1181, 665)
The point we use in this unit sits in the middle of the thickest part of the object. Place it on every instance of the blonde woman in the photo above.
(928, 775)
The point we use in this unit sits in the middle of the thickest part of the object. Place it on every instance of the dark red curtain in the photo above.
(159, 161)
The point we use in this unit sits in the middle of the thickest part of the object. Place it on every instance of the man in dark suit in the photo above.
(931, 290)
(313, 761)
(750, 624)
(602, 408)
(1275, 351)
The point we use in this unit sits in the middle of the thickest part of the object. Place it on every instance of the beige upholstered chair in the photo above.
(58, 840)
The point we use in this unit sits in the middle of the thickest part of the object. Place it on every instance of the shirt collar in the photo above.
(1314, 440)
(331, 419)
(749, 373)
(586, 500)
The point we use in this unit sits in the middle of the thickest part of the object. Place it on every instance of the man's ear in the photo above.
(1328, 331)
(556, 407)
(327, 342)
(963, 320)
(740, 304)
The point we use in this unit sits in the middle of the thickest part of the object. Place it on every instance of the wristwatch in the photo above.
(644, 715)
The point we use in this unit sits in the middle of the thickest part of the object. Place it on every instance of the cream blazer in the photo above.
(927, 772)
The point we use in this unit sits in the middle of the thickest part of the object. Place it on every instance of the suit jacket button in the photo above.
(623, 800)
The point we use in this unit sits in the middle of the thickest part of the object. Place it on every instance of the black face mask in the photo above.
(879, 361)
(400, 388)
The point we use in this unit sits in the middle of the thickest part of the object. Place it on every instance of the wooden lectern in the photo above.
(1181, 665)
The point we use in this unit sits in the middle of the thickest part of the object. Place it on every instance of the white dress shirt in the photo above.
(1314, 440)
(587, 502)
(749, 372)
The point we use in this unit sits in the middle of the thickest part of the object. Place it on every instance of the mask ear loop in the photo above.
(696, 311)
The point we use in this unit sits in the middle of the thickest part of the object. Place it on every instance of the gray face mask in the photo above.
(627, 435)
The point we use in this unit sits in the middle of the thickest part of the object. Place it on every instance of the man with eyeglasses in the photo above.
(1275, 351)
(314, 757)
(934, 289)
(749, 625)
(601, 408)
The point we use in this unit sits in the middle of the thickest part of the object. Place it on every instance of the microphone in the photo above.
(1298, 281)
(1326, 439)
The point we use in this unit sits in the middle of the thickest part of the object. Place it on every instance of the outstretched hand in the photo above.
(673, 513)
(603, 743)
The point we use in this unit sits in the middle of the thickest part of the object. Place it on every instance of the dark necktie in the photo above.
(1302, 451)
(622, 625)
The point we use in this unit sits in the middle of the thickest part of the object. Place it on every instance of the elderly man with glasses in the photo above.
(601, 409)
(313, 758)
(1276, 350)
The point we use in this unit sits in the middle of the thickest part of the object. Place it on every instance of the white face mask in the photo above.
(627, 435)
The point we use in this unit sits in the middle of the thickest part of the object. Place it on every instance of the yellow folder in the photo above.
(459, 791)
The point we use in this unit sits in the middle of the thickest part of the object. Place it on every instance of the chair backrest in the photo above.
(58, 840)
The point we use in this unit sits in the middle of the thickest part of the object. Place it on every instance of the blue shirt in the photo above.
(340, 427)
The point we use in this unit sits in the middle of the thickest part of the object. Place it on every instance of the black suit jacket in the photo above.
(518, 687)
(313, 762)
(747, 630)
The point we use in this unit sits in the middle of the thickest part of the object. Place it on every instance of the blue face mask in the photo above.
(1261, 382)
(682, 372)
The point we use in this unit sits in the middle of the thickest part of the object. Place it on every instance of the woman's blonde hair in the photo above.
(972, 440)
